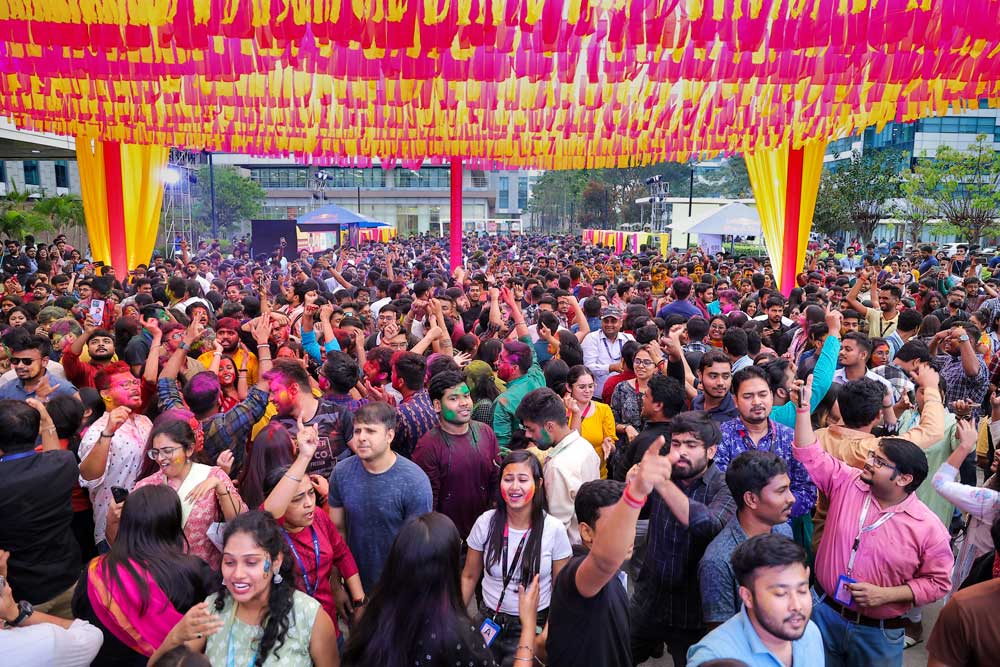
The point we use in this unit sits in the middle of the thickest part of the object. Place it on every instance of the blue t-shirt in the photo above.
(685, 308)
(376, 507)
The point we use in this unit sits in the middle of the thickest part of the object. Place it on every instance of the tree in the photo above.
(64, 212)
(857, 194)
(595, 206)
(18, 215)
(964, 186)
(917, 207)
(237, 199)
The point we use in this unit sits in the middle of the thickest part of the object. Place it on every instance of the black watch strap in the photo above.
(24, 610)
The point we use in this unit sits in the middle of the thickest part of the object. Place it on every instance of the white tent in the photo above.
(735, 219)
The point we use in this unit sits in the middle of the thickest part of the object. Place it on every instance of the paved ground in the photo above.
(912, 657)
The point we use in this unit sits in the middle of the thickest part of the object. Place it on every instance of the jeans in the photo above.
(851, 645)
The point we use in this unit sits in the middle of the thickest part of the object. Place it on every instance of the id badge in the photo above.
(842, 594)
(489, 630)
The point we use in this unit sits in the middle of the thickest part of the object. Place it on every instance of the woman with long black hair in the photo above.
(510, 546)
(143, 586)
(416, 615)
(257, 617)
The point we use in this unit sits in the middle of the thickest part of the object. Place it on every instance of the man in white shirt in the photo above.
(854, 352)
(571, 460)
(602, 350)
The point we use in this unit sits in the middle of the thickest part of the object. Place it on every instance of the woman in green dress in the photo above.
(257, 618)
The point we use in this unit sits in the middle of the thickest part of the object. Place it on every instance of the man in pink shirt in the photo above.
(882, 552)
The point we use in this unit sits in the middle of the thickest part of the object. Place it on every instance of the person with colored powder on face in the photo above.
(518, 367)
(570, 462)
(510, 544)
(460, 456)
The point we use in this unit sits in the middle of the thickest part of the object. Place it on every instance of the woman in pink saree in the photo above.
(208, 497)
(139, 590)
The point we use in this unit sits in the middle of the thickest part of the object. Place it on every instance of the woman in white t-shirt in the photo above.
(515, 542)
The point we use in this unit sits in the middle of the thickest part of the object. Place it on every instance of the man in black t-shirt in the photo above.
(589, 614)
(35, 490)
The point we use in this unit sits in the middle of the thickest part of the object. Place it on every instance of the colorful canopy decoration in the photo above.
(539, 83)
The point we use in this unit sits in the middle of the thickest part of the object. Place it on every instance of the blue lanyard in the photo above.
(298, 559)
(608, 350)
(19, 455)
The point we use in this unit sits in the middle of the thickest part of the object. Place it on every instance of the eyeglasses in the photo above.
(22, 361)
(643, 362)
(167, 452)
(128, 383)
(879, 462)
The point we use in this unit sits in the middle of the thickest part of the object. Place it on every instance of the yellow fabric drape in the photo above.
(142, 187)
(768, 171)
(812, 171)
(90, 160)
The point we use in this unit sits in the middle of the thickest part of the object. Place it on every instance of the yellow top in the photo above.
(595, 427)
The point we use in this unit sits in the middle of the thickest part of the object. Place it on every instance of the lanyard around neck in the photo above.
(862, 529)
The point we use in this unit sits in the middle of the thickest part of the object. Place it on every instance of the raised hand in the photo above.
(307, 439)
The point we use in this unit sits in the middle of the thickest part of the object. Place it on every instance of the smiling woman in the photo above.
(205, 491)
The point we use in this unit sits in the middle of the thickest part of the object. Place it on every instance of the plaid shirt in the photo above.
(778, 440)
(416, 417)
(895, 376)
(959, 386)
(223, 430)
(666, 590)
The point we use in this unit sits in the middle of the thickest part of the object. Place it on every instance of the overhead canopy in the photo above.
(536, 83)
(331, 217)
(734, 219)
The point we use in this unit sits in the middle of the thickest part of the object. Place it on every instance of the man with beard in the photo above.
(882, 552)
(754, 429)
(687, 512)
(758, 482)
(882, 321)
(602, 350)
(570, 461)
(227, 333)
(294, 402)
(29, 356)
(773, 626)
(518, 367)
(460, 456)
(100, 347)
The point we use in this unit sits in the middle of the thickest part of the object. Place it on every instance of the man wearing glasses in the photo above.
(29, 356)
(882, 552)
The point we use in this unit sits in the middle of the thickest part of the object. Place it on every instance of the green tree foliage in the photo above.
(856, 194)
(18, 215)
(558, 197)
(963, 186)
(64, 212)
(237, 199)
(917, 206)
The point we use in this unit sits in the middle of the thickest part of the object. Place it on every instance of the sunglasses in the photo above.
(22, 361)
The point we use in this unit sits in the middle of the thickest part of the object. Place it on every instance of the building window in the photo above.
(435, 228)
(522, 193)
(32, 175)
(407, 220)
(62, 174)
(3, 171)
(280, 177)
(503, 200)
(479, 179)
(333, 177)
(431, 177)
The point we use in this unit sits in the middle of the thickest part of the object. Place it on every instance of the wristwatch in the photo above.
(964, 337)
(359, 603)
(24, 610)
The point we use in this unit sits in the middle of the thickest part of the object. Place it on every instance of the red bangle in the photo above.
(631, 500)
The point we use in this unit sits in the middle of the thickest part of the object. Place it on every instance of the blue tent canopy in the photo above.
(332, 218)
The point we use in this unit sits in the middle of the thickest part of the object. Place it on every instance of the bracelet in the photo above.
(802, 410)
(107, 435)
(632, 501)
(184, 346)
(532, 648)
(531, 659)
(260, 345)
(517, 324)
(293, 477)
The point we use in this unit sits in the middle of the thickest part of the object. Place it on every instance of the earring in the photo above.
(278, 578)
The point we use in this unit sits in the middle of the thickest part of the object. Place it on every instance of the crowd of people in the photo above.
(551, 454)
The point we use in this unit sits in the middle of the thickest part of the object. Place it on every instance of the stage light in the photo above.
(171, 176)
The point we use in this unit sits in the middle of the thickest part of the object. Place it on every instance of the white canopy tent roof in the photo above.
(735, 219)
